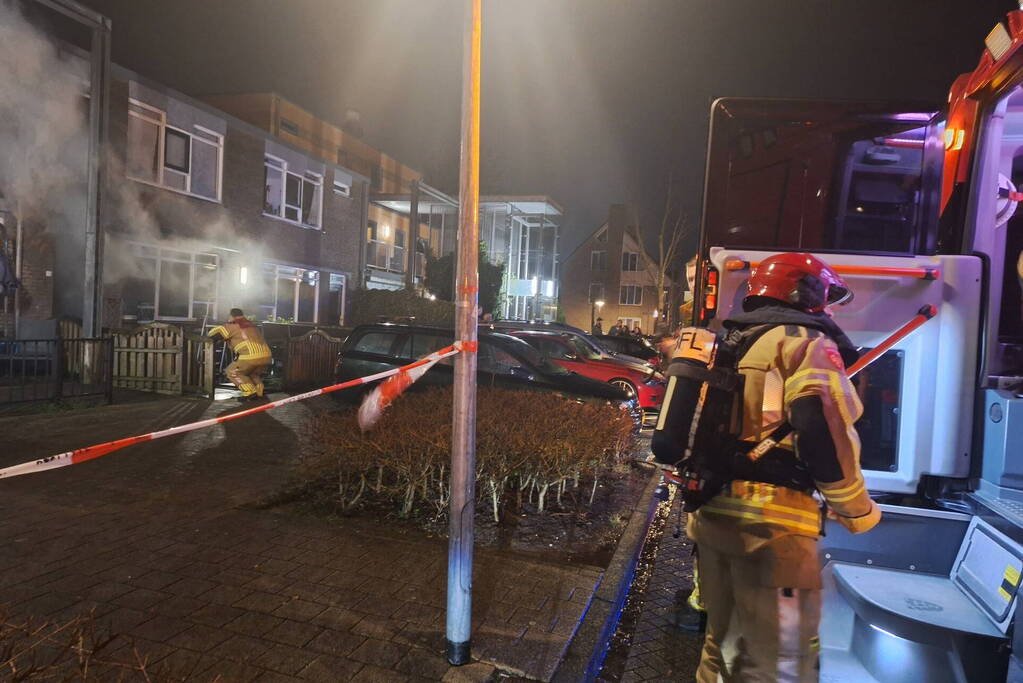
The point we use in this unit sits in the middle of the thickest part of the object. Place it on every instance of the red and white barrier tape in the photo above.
(91, 452)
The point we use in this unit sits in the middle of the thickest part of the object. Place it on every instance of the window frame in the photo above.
(600, 256)
(630, 262)
(312, 178)
(158, 117)
(164, 254)
(622, 298)
(296, 291)
(341, 188)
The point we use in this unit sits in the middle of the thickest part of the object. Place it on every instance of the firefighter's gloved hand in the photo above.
(857, 525)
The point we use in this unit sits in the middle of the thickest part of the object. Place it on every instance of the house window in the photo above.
(171, 284)
(293, 197)
(188, 161)
(290, 294)
(290, 127)
(336, 299)
(630, 261)
(385, 249)
(596, 291)
(342, 189)
(631, 295)
(598, 260)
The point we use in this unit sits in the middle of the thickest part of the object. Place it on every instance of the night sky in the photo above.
(591, 102)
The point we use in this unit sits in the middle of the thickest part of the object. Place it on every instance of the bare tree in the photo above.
(673, 228)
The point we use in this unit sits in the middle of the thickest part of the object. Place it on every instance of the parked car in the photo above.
(572, 354)
(639, 347)
(503, 361)
(588, 339)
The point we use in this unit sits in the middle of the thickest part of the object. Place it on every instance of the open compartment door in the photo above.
(858, 185)
(822, 175)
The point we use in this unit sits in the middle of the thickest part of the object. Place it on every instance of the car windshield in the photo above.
(583, 349)
(527, 353)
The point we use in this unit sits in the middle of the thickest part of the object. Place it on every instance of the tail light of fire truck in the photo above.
(710, 293)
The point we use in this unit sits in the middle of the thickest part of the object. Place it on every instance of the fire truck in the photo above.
(915, 205)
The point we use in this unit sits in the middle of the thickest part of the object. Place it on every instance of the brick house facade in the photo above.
(611, 266)
(208, 212)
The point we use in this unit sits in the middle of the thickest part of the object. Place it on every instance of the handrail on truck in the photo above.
(920, 273)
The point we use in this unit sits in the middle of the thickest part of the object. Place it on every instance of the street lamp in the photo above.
(597, 305)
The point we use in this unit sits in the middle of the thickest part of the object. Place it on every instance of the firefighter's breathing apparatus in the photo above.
(697, 433)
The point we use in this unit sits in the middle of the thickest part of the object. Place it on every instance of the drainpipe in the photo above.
(17, 275)
(99, 83)
(413, 241)
(362, 235)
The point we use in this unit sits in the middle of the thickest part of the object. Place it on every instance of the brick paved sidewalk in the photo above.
(157, 540)
(659, 650)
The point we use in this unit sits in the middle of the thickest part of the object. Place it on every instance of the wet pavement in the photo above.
(652, 648)
(162, 542)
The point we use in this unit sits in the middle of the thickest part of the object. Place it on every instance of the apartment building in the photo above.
(247, 201)
(208, 212)
(388, 240)
(521, 232)
(611, 266)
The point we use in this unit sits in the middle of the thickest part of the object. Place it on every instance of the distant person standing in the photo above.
(252, 355)
(637, 331)
(598, 327)
(619, 330)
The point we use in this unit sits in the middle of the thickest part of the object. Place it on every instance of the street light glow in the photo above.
(598, 303)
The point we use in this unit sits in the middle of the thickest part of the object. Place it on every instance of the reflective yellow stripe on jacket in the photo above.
(250, 350)
(755, 502)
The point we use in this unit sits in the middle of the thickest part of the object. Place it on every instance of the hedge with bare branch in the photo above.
(528, 443)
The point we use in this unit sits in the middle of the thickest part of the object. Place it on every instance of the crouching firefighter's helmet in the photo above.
(700, 420)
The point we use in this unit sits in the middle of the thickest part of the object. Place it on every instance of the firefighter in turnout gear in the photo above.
(757, 538)
(252, 355)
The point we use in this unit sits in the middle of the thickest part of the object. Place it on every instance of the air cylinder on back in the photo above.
(698, 402)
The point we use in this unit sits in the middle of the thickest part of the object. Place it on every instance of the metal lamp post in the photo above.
(463, 437)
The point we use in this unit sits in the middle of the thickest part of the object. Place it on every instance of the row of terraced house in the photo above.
(250, 200)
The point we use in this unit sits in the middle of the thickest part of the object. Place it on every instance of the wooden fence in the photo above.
(149, 358)
(166, 359)
(310, 360)
(198, 369)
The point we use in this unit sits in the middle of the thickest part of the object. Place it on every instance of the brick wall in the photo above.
(35, 296)
(156, 215)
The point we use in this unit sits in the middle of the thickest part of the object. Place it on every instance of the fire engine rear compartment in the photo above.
(905, 602)
(902, 603)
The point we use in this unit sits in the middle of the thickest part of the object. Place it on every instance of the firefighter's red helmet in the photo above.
(799, 279)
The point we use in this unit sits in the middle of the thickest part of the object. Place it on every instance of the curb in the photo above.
(584, 656)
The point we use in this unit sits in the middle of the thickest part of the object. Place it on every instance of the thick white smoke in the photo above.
(44, 110)
(43, 123)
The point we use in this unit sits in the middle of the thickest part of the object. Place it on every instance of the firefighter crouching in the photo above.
(252, 355)
(756, 521)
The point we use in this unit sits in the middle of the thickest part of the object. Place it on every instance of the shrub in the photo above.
(65, 650)
(370, 305)
(530, 443)
(440, 278)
